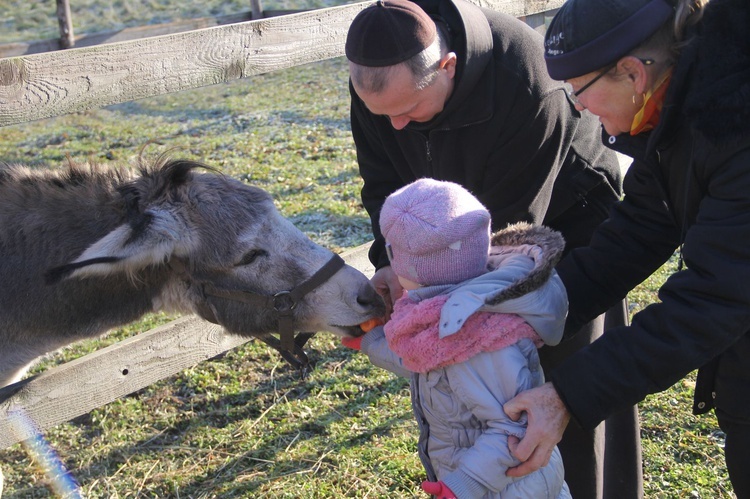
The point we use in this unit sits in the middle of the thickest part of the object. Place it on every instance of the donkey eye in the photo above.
(251, 256)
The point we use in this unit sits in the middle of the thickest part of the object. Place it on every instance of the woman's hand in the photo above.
(547, 416)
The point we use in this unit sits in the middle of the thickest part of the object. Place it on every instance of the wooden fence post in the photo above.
(256, 8)
(67, 39)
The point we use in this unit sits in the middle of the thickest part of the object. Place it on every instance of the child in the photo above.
(467, 331)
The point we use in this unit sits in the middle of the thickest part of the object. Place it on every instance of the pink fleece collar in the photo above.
(412, 334)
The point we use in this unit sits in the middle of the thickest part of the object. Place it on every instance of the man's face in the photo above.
(402, 102)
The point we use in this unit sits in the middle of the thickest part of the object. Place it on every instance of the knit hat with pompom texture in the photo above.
(436, 232)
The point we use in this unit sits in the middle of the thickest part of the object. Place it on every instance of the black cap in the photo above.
(586, 35)
(389, 32)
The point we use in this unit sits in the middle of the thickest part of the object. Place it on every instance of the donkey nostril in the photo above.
(368, 297)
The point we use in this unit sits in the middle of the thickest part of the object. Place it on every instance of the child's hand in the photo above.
(438, 489)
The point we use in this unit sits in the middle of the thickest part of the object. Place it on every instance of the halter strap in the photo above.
(283, 303)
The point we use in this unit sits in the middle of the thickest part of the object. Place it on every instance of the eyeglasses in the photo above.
(574, 95)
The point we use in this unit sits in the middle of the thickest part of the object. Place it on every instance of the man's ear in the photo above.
(448, 63)
(636, 72)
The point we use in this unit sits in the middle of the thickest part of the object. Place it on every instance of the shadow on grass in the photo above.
(267, 459)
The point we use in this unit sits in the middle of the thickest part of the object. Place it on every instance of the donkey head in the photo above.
(220, 242)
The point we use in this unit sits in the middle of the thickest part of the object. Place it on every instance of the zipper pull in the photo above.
(427, 149)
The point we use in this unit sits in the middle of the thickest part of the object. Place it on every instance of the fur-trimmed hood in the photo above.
(717, 100)
(551, 244)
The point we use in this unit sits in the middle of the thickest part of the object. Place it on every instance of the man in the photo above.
(447, 90)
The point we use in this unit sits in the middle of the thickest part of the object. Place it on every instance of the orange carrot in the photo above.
(371, 323)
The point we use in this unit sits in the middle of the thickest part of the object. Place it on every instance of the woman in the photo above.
(670, 82)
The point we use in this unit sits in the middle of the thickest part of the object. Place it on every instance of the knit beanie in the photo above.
(587, 35)
(389, 32)
(436, 232)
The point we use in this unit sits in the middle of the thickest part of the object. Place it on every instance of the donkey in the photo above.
(91, 247)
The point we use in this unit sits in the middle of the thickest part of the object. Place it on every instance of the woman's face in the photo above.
(612, 98)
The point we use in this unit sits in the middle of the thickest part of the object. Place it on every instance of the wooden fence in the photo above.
(43, 85)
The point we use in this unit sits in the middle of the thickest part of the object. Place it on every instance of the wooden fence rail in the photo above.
(50, 84)
(44, 85)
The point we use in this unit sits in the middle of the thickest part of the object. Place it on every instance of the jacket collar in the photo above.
(472, 99)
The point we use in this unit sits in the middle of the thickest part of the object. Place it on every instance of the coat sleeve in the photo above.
(375, 346)
(635, 241)
(703, 310)
(483, 384)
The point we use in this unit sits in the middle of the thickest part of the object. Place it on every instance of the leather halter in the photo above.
(283, 303)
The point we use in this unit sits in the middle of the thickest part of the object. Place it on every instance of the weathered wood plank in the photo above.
(74, 388)
(520, 8)
(136, 32)
(50, 84)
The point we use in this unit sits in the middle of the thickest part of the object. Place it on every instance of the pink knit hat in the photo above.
(436, 232)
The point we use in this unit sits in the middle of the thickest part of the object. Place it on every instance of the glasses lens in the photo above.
(571, 93)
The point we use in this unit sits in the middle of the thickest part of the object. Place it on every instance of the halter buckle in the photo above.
(283, 301)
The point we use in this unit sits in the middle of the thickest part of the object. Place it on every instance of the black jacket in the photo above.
(689, 186)
(508, 133)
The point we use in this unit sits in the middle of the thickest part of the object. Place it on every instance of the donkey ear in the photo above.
(157, 235)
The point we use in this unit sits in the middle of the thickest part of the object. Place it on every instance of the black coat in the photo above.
(508, 133)
(688, 187)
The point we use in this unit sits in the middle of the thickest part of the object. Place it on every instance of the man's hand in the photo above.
(386, 284)
(548, 418)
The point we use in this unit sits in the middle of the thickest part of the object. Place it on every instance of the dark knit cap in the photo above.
(587, 35)
(389, 32)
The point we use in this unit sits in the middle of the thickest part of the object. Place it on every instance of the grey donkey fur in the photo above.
(552, 245)
(89, 248)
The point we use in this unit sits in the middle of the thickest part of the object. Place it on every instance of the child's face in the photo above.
(407, 284)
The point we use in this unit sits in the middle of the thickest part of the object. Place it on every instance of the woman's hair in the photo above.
(671, 38)
(423, 66)
(687, 13)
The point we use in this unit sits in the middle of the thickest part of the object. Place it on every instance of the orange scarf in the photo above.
(648, 116)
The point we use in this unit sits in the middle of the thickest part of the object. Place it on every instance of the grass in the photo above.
(246, 425)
